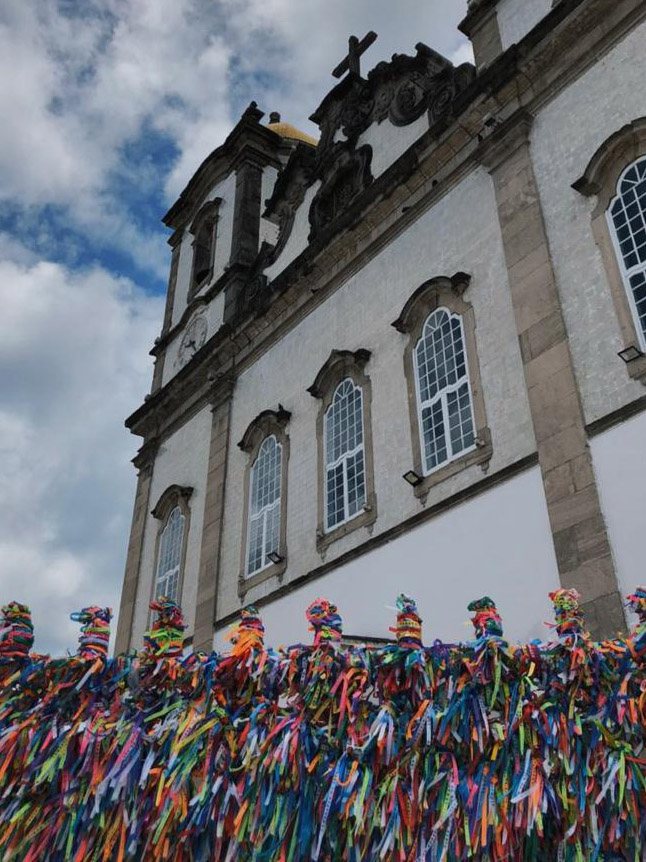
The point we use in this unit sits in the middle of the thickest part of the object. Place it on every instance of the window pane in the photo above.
(343, 422)
(460, 421)
(170, 554)
(356, 483)
(435, 451)
(272, 530)
(638, 287)
(345, 475)
(264, 505)
(442, 379)
(628, 214)
(335, 507)
(255, 557)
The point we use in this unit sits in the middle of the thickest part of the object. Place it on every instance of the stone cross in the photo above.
(356, 48)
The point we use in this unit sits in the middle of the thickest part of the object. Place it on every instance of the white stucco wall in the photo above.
(213, 313)
(297, 241)
(517, 17)
(181, 460)
(268, 230)
(359, 315)
(619, 457)
(226, 191)
(389, 142)
(498, 544)
(565, 135)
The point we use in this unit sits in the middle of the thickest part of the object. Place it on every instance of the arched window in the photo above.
(445, 410)
(171, 542)
(448, 419)
(263, 530)
(627, 221)
(173, 513)
(346, 500)
(345, 485)
(204, 232)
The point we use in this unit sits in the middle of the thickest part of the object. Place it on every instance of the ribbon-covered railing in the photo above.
(331, 752)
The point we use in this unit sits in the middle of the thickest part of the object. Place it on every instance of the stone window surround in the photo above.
(600, 179)
(209, 210)
(264, 425)
(339, 365)
(443, 292)
(174, 496)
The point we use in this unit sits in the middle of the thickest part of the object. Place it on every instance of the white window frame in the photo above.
(168, 573)
(442, 396)
(344, 458)
(626, 272)
(264, 512)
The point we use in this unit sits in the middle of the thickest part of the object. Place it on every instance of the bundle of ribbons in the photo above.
(16, 631)
(95, 632)
(397, 752)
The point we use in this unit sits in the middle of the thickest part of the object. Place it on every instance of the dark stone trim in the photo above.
(617, 417)
(169, 499)
(378, 541)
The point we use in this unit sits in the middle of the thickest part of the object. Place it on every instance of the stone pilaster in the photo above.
(481, 28)
(144, 462)
(578, 527)
(207, 586)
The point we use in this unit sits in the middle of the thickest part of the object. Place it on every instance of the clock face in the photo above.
(193, 338)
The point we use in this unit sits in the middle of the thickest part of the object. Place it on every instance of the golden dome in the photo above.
(286, 130)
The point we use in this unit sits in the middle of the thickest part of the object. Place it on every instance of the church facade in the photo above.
(410, 355)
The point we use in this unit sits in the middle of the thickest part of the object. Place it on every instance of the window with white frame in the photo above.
(264, 505)
(171, 542)
(627, 223)
(445, 409)
(345, 479)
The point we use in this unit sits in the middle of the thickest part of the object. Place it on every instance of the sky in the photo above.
(108, 108)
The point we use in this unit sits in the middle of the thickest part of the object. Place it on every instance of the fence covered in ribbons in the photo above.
(476, 751)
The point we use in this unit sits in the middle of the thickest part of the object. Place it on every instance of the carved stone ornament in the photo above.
(288, 195)
(400, 90)
(347, 175)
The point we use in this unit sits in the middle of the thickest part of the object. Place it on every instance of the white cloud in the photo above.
(73, 363)
(93, 79)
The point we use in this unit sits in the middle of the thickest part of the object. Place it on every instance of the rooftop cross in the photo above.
(356, 48)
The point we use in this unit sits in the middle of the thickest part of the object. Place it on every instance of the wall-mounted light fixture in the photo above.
(630, 353)
(275, 557)
(412, 477)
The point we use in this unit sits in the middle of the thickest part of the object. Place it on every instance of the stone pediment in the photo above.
(401, 91)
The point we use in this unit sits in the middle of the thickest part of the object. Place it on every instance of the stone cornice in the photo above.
(523, 77)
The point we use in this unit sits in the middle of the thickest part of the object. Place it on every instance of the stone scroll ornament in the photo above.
(166, 636)
(95, 632)
(16, 631)
(324, 621)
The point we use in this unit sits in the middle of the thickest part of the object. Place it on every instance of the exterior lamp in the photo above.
(630, 353)
(412, 478)
(275, 557)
